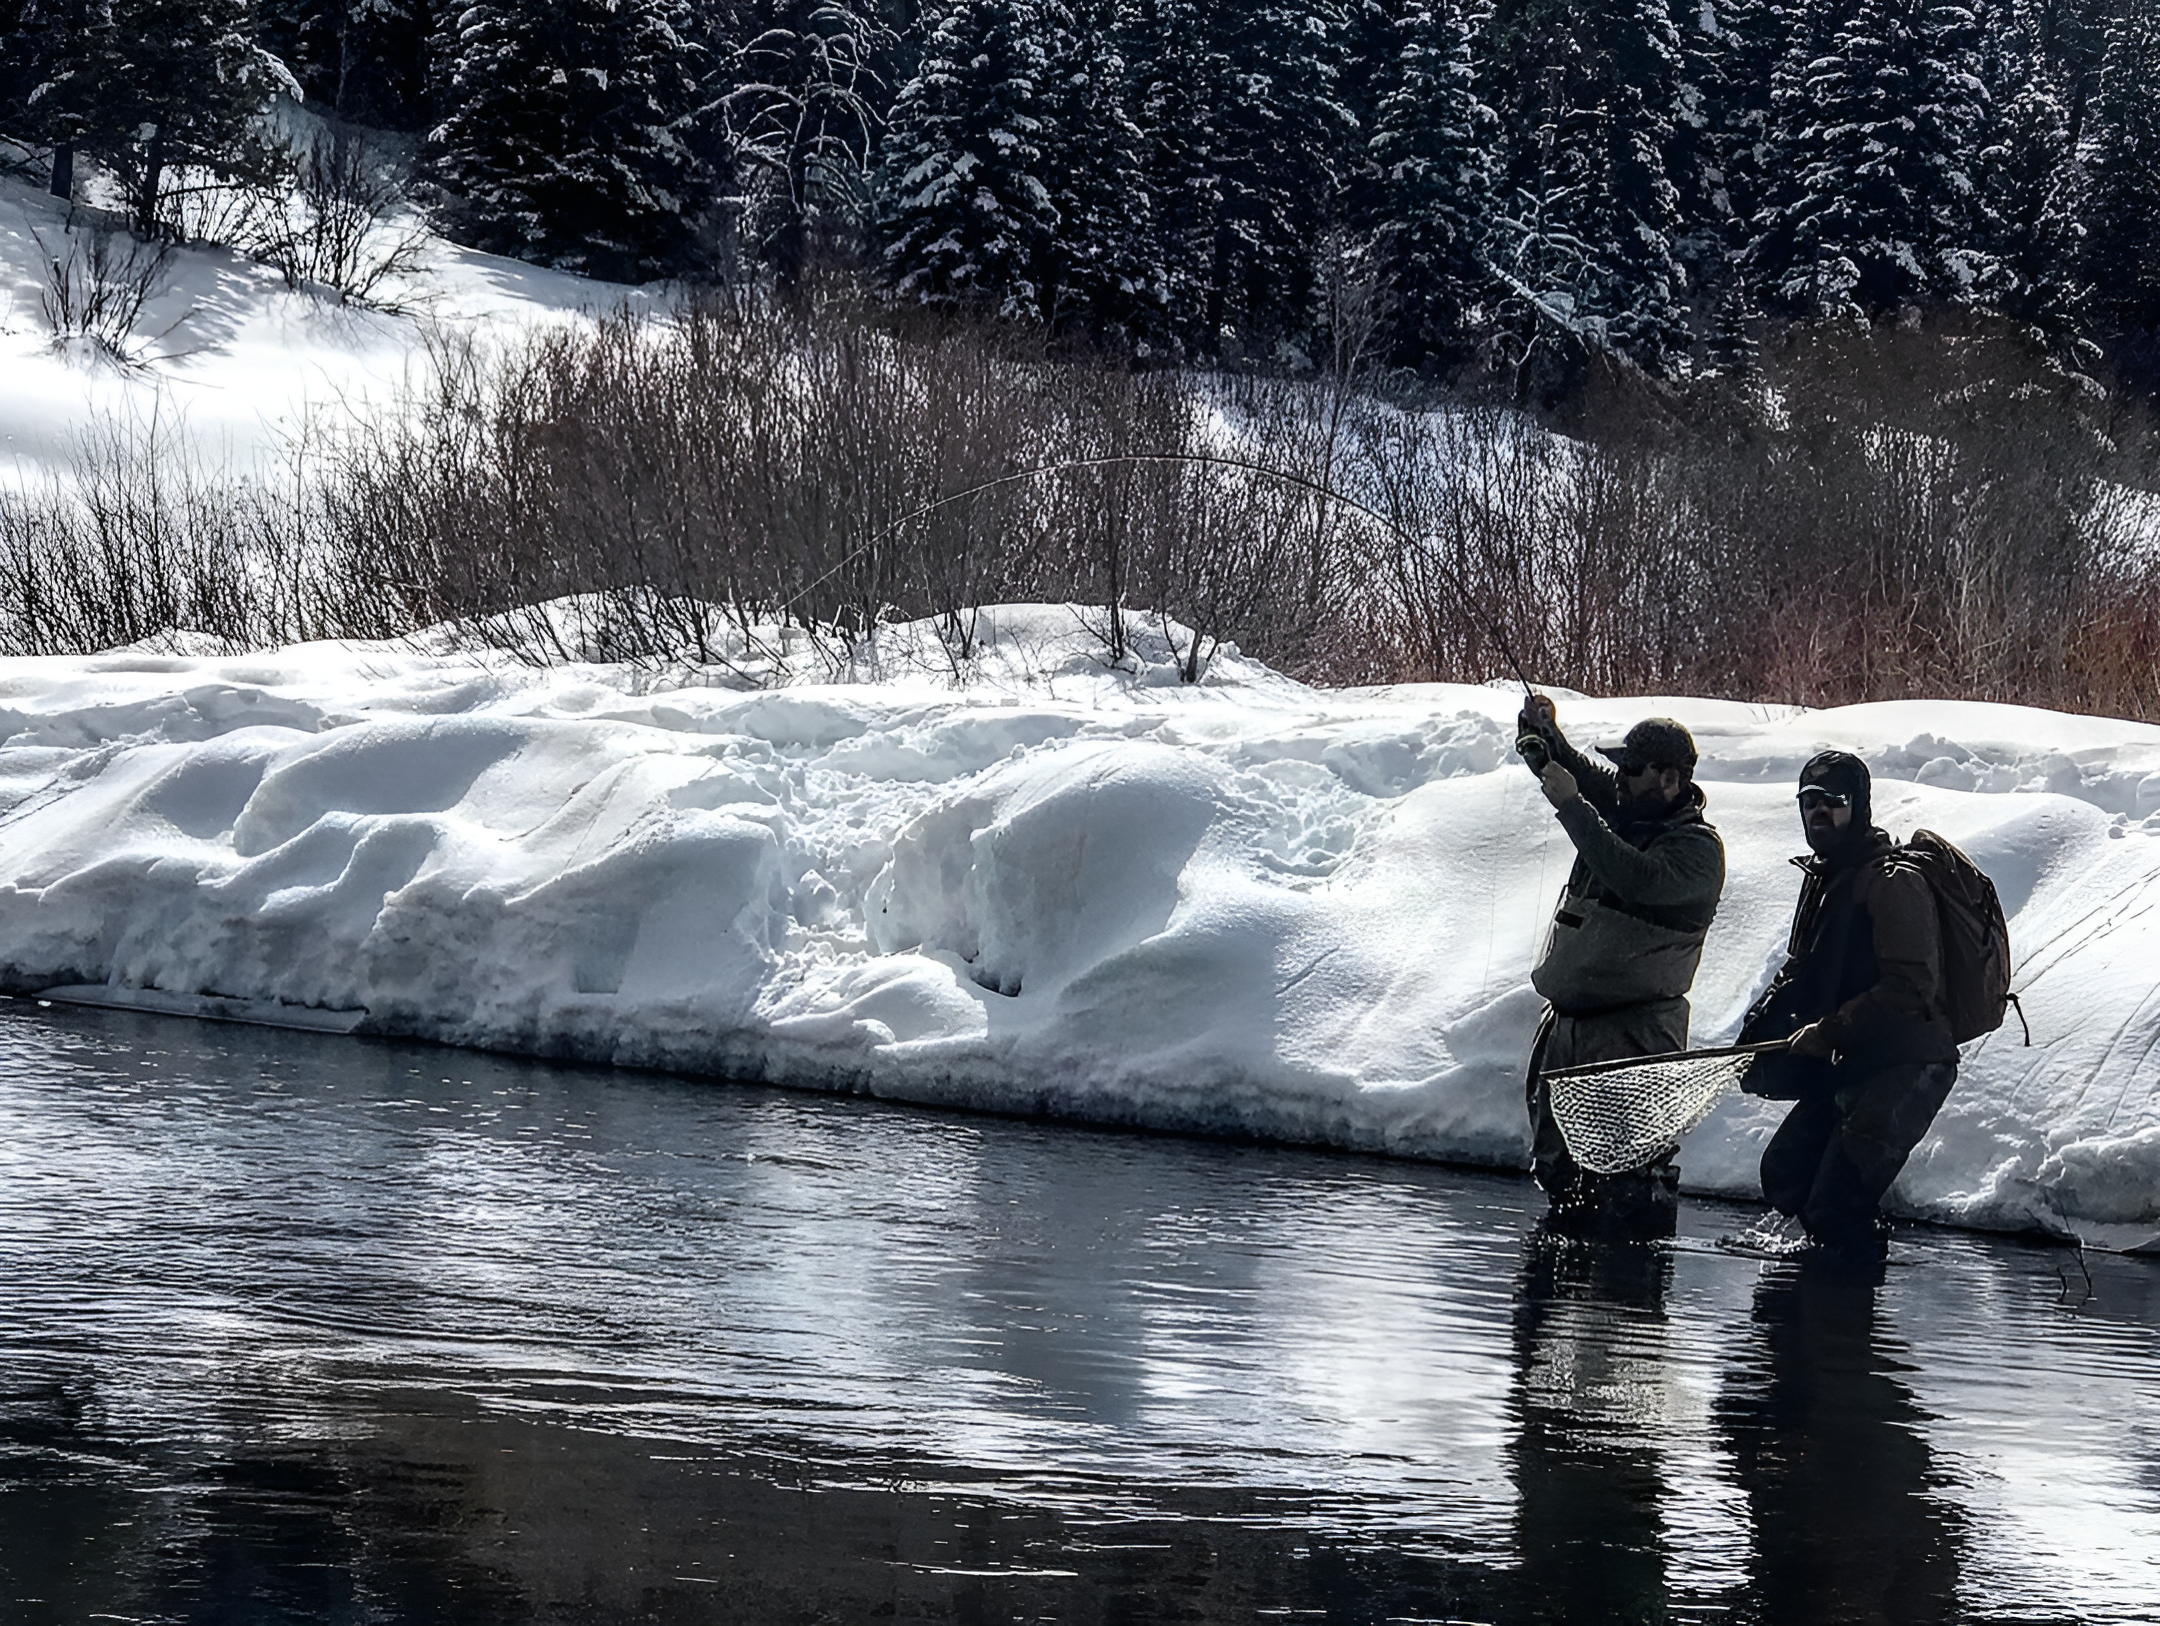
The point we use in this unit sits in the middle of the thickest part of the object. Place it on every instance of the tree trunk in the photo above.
(153, 179)
(63, 171)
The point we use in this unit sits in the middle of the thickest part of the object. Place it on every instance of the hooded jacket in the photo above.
(1638, 902)
(1864, 959)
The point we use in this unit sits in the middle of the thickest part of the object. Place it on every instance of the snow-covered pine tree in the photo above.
(1432, 143)
(1097, 274)
(2031, 181)
(21, 50)
(1880, 112)
(1589, 219)
(2123, 155)
(151, 86)
(1178, 79)
(363, 61)
(1372, 66)
(1282, 140)
(2072, 40)
(968, 215)
(562, 132)
(1731, 49)
(804, 107)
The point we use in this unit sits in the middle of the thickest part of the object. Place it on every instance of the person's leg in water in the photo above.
(1550, 1165)
(1640, 1201)
(1795, 1152)
(1860, 1137)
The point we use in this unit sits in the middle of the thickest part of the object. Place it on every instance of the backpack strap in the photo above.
(2018, 1005)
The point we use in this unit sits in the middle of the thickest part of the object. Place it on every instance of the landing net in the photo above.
(1620, 1115)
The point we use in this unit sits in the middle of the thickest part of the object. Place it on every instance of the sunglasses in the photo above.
(1810, 800)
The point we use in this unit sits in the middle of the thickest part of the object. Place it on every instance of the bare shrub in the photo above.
(97, 289)
(139, 542)
(200, 206)
(799, 466)
(342, 229)
(1468, 495)
(768, 485)
(1885, 515)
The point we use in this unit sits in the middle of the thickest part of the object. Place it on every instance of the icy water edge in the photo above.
(306, 1329)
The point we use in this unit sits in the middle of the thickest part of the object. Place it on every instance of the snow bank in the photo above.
(1243, 907)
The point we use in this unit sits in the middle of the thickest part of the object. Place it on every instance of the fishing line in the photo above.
(1478, 614)
(2063, 1276)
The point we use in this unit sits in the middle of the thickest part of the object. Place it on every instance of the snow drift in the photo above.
(1241, 907)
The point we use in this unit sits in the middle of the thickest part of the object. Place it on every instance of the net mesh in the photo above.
(1620, 1117)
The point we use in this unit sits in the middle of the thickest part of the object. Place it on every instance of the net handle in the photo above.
(1592, 1069)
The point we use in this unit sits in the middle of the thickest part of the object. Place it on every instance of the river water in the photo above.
(295, 1328)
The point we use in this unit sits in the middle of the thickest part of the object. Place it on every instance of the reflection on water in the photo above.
(1592, 1385)
(301, 1329)
(1833, 1452)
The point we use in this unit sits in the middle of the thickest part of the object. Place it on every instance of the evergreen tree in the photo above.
(2072, 40)
(1177, 81)
(804, 108)
(2031, 181)
(1372, 51)
(563, 136)
(1588, 229)
(1281, 140)
(2123, 245)
(21, 55)
(1098, 274)
(1878, 136)
(1432, 145)
(1722, 167)
(362, 61)
(148, 86)
(969, 216)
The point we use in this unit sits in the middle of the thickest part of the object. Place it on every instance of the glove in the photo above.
(1812, 1041)
(1534, 730)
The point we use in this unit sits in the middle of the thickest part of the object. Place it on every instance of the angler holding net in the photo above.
(1625, 940)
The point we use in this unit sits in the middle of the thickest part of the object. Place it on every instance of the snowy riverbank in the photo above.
(1246, 906)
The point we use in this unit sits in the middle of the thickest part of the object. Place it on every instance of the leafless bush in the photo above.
(137, 543)
(341, 227)
(234, 211)
(1890, 515)
(769, 485)
(97, 289)
(800, 466)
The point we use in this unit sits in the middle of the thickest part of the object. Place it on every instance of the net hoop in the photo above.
(1621, 1115)
(1593, 1069)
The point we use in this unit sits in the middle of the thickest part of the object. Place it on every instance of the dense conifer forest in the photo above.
(1513, 185)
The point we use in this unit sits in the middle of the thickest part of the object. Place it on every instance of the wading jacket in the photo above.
(1638, 903)
(1864, 959)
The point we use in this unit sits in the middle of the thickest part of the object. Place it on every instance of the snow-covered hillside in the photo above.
(228, 361)
(1245, 906)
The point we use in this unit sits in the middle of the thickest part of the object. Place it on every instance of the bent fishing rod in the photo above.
(1487, 623)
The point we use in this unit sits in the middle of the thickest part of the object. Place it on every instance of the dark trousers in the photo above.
(1574, 1041)
(1839, 1149)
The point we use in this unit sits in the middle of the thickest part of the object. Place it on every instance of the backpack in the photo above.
(1975, 937)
